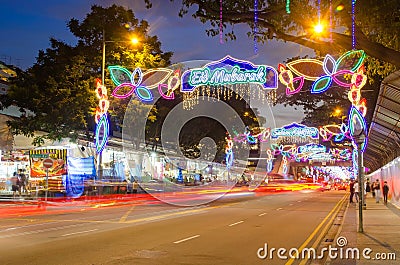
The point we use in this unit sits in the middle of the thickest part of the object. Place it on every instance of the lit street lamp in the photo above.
(359, 138)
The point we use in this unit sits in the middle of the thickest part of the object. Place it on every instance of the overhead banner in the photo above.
(59, 157)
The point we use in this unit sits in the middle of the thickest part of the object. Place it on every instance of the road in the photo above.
(230, 230)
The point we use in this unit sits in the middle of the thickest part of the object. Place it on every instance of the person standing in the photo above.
(377, 189)
(385, 192)
(367, 189)
(351, 191)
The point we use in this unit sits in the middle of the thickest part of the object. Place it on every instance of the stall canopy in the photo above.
(384, 132)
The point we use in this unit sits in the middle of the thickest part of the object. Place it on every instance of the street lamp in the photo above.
(359, 138)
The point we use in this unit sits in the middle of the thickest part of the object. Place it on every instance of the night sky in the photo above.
(27, 25)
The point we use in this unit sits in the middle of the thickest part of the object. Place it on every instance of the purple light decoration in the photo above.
(128, 94)
(220, 22)
(330, 20)
(353, 24)
(319, 11)
(163, 95)
(255, 25)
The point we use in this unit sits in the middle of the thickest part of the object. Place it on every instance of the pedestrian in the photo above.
(377, 189)
(135, 186)
(367, 188)
(23, 182)
(15, 184)
(351, 191)
(385, 192)
(357, 191)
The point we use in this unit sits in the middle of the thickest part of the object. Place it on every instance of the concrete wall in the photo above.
(390, 173)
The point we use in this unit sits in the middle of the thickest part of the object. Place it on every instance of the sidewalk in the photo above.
(381, 225)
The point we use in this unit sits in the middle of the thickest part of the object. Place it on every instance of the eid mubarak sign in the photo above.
(229, 71)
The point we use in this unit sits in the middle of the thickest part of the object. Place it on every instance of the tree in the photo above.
(376, 23)
(57, 94)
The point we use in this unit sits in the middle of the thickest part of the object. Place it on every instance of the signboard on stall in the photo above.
(37, 157)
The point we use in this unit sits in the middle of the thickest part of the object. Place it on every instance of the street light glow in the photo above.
(319, 28)
(135, 41)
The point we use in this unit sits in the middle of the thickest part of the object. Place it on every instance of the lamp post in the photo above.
(359, 138)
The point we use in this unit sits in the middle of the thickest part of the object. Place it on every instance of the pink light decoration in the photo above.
(121, 86)
(342, 73)
(300, 80)
(164, 96)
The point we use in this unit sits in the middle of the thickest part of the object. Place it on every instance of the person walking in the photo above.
(385, 192)
(135, 187)
(15, 184)
(377, 190)
(357, 190)
(351, 191)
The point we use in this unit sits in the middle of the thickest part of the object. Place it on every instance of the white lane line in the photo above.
(279, 209)
(298, 201)
(236, 223)
(185, 239)
(261, 214)
(291, 204)
(81, 232)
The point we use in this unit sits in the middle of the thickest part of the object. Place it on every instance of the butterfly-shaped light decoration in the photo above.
(340, 132)
(323, 73)
(264, 135)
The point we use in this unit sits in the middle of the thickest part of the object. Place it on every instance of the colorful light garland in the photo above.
(288, 6)
(220, 22)
(353, 24)
(101, 117)
(255, 25)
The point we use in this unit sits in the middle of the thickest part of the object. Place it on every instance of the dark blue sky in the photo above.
(27, 25)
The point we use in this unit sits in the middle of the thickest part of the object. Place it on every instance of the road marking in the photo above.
(300, 249)
(125, 216)
(185, 239)
(291, 204)
(298, 201)
(261, 214)
(81, 232)
(279, 209)
(236, 223)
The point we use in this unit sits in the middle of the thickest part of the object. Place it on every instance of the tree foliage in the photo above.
(57, 94)
(376, 31)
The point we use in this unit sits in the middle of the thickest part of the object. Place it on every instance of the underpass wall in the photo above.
(390, 173)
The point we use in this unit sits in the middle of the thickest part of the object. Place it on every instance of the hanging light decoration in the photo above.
(220, 22)
(255, 25)
(353, 24)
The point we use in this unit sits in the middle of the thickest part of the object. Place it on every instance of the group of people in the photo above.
(374, 188)
(19, 183)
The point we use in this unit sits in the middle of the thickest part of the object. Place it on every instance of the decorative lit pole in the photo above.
(357, 131)
(103, 66)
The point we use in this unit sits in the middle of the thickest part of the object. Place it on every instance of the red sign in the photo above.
(48, 163)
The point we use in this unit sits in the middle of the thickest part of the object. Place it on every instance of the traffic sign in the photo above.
(48, 163)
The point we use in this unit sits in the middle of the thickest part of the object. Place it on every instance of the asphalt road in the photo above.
(228, 231)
